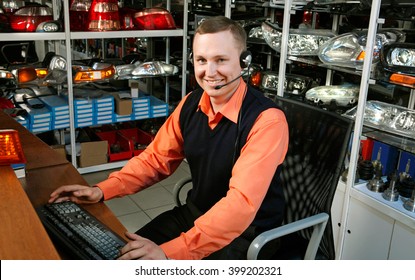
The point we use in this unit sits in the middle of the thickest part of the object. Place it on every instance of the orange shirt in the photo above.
(265, 149)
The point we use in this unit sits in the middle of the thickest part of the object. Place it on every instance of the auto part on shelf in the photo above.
(301, 42)
(348, 50)
(376, 184)
(293, 84)
(98, 72)
(26, 19)
(391, 193)
(78, 14)
(390, 118)
(345, 95)
(406, 187)
(398, 63)
(410, 203)
(104, 15)
(154, 68)
(405, 174)
(365, 170)
(154, 19)
(49, 26)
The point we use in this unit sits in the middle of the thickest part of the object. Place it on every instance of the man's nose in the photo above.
(211, 68)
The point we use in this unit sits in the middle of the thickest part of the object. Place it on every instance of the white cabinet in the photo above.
(403, 242)
(368, 233)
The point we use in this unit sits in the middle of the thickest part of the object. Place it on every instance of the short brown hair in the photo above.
(222, 23)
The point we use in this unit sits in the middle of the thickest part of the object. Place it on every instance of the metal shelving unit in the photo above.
(67, 37)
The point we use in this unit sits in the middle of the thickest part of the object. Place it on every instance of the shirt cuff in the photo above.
(110, 188)
(176, 249)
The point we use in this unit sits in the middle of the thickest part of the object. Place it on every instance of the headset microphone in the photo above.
(221, 86)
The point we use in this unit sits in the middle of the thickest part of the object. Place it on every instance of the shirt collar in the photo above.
(231, 109)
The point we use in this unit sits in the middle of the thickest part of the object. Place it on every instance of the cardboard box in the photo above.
(93, 153)
(123, 106)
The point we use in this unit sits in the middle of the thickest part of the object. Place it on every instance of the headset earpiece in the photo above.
(245, 59)
(190, 57)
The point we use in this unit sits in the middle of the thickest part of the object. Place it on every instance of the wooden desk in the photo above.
(22, 235)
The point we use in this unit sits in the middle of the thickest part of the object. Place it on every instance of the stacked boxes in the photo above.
(84, 112)
(23, 121)
(141, 108)
(104, 109)
(40, 119)
(158, 108)
(60, 110)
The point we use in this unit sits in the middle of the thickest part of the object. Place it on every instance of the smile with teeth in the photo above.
(213, 82)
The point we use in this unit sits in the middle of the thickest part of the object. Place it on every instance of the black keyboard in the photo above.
(80, 232)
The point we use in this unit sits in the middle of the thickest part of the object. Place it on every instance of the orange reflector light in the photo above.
(402, 79)
(6, 74)
(10, 147)
(255, 79)
(361, 56)
(41, 72)
(26, 74)
(94, 75)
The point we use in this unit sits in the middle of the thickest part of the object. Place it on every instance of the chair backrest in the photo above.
(318, 144)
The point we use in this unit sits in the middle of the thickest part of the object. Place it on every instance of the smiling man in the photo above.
(234, 140)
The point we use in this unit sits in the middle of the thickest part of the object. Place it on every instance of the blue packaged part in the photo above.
(388, 156)
(407, 159)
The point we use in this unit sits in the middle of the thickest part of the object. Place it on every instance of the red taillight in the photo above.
(27, 19)
(154, 19)
(78, 14)
(127, 18)
(104, 16)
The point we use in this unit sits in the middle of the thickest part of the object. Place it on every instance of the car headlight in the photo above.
(155, 68)
(256, 34)
(57, 71)
(391, 118)
(293, 84)
(399, 58)
(124, 71)
(301, 42)
(98, 72)
(342, 95)
(49, 26)
(348, 50)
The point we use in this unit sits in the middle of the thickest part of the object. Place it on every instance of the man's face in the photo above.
(216, 62)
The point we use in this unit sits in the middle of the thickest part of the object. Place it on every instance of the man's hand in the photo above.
(77, 194)
(141, 248)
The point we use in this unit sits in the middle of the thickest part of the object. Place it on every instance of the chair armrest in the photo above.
(178, 187)
(318, 221)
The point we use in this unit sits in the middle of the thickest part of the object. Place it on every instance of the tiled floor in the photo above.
(136, 210)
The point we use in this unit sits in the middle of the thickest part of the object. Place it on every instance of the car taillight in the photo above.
(27, 19)
(78, 15)
(127, 18)
(104, 15)
(154, 19)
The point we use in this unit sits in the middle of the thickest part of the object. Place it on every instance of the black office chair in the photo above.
(311, 170)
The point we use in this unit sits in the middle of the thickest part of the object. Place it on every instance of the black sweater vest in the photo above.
(212, 153)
